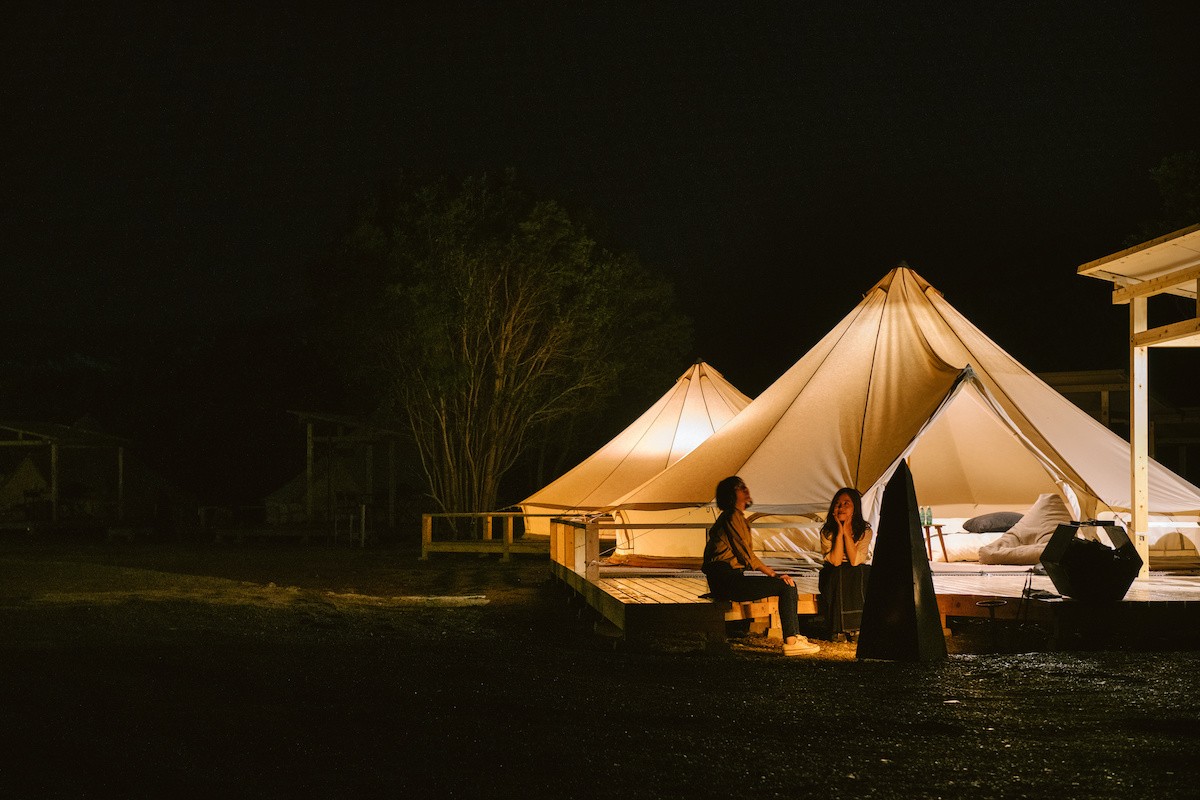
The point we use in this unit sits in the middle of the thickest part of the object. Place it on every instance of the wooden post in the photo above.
(508, 538)
(591, 554)
(575, 543)
(1139, 429)
(391, 484)
(370, 468)
(53, 482)
(120, 483)
(555, 542)
(362, 525)
(308, 474)
(426, 535)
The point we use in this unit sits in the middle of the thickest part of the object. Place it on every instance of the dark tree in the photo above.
(490, 318)
(1178, 179)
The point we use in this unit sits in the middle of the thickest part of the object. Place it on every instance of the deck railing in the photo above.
(575, 542)
(480, 536)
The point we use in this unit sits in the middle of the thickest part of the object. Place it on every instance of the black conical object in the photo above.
(900, 620)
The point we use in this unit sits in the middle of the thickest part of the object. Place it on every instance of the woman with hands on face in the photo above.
(846, 545)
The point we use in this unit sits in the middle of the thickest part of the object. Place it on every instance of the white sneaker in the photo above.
(801, 647)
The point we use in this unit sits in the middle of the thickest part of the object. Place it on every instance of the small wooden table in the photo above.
(930, 532)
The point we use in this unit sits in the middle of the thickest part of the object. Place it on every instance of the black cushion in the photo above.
(995, 522)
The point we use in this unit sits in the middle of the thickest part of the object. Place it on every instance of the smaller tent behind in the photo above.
(338, 481)
(20, 487)
(700, 403)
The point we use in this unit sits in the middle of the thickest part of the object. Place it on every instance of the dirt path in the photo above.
(152, 671)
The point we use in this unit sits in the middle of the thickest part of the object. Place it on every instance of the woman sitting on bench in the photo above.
(729, 552)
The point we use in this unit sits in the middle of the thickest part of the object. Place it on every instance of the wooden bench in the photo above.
(764, 614)
(667, 605)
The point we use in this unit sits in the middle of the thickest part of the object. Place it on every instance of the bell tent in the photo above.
(24, 484)
(700, 402)
(904, 376)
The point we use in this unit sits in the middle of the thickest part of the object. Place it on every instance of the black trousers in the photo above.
(727, 583)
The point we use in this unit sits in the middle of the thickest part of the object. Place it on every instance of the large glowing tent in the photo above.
(699, 403)
(904, 376)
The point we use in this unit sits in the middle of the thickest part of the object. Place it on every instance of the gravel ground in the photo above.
(280, 671)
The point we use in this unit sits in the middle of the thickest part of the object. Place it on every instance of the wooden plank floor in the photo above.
(656, 590)
(636, 600)
(1158, 588)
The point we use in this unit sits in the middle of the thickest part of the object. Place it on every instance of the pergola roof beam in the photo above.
(1166, 283)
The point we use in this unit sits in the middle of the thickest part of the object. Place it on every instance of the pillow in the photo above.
(996, 522)
(1023, 543)
(1037, 525)
(1006, 552)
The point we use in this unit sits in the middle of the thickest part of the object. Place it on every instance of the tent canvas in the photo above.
(23, 483)
(337, 481)
(700, 402)
(906, 376)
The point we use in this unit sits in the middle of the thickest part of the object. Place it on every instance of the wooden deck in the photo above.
(636, 603)
(1160, 611)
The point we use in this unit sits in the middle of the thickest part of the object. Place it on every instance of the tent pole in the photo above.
(1139, 430)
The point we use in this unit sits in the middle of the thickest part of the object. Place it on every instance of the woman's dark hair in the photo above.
(727, 492)
(858, 525)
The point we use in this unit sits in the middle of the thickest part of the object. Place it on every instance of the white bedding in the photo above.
(960, 545)
(804, 542)
(1168, 547)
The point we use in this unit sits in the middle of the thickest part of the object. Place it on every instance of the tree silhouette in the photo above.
(1178, 179)
(490, 318)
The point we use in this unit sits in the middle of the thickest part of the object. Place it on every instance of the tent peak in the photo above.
(700, 402)
(899, 273)
(903, 273)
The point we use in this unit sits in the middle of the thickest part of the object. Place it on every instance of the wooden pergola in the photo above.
(1167, 265)
(1104, 394)
(55, 439)
(333, 429)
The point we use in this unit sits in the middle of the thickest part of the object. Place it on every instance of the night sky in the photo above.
(183, 162)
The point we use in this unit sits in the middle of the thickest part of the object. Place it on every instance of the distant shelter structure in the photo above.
(62, 470)
(349, 467)
(1173, 435)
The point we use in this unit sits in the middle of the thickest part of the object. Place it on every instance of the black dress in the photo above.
(843, 591)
